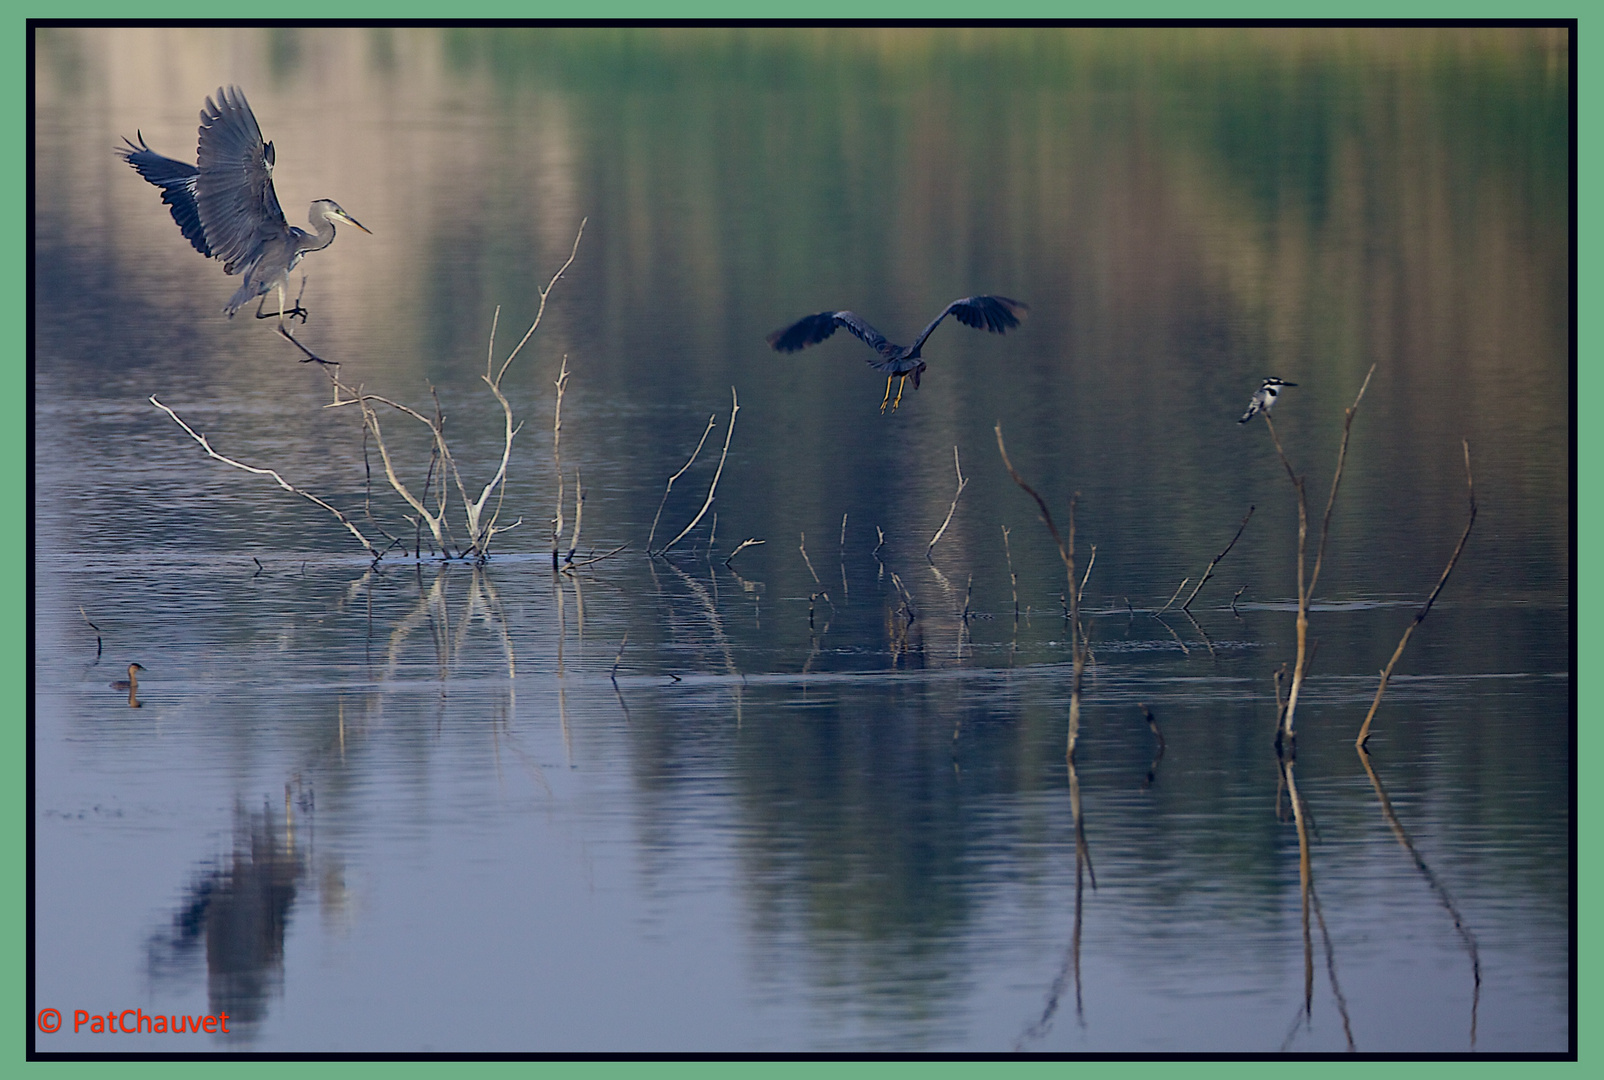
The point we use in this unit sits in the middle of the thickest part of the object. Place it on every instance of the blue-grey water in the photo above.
(814, 797)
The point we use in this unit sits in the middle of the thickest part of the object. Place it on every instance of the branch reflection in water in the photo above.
(1310, 900)
(1071, 966)
(1437, 887)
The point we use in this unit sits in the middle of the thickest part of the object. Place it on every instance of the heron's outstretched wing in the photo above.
(234, 189)
(997, 314)
(815, 328)
(177, 181)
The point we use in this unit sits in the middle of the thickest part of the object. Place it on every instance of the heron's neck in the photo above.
(322, 237)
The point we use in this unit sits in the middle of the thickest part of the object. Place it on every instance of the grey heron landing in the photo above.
(997, 314)
(226, 207)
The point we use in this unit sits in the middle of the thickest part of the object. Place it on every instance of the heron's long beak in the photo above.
(349, 220)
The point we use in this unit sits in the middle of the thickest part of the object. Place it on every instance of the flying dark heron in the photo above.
(997, 314)
(225, 205)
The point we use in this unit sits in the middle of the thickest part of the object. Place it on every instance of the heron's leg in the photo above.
(282, 313)
(901, 386)
(888, 394)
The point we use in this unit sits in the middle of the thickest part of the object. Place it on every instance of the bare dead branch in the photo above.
(541, 311)
(803, 548)
(711, 420)
(595, 558)
(744, 544)
(1171, 600)
(962, 483)
(557, 460)
(283, 483)
(579, 516)
(1420, 616)
(1209, 571)
(735, 407)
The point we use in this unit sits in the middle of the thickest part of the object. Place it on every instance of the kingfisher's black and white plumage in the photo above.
(226, 207)
(997, 314)
(1263, 398)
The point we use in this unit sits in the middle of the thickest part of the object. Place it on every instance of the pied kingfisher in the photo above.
(1263, 398)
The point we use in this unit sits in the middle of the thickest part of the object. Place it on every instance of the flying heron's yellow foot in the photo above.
(900, 387)
(887, 398)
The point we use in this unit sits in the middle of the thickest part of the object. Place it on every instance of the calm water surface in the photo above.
(815, 797)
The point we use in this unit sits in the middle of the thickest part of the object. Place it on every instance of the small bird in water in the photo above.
(1263, 398)
(130, 684)
(997, 314)
(226, 207)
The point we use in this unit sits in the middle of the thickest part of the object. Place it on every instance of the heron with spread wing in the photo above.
(997, 314)
(226, 207)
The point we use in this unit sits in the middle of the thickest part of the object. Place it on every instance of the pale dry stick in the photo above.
(803, 548)
(283, 483)
(845, 597)
(1171, 600)
(1209, 571)
(1336, 477)
(367, 500)
(1080, 593)
(1067, 554)
(557, 459)
(744, 544)
(541, 310)
(594, 558)
(735, 407)
(370, 417)
(711, 421)
(579, 516)
(1013, 578)
(1420, 616)
(1306, 591)
(963, 482)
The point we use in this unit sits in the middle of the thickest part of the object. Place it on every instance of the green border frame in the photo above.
(1589, 454)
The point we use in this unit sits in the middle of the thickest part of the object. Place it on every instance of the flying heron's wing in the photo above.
(177, 181)
(234, 189)
(815, 328)
(997, 314)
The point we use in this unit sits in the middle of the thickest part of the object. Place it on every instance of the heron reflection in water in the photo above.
(226, 207)
(997, 314)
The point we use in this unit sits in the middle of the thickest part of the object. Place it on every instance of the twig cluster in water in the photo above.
(482, 520)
